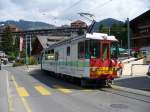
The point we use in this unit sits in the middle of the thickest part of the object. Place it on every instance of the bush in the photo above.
(20, 62)
(32, 61)
(17, 64)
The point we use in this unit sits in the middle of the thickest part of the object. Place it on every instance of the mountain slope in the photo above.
(107, 23)
(28, 25)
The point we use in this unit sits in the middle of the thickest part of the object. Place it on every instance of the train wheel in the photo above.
(108, 82)
(83, 83)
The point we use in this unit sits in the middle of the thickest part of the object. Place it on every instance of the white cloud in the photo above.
(62, 11)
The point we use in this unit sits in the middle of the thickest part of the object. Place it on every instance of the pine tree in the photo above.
(7, 41)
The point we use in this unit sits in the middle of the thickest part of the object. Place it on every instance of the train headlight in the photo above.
(93, 69)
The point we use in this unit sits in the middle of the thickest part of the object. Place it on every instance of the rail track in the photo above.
(128, 94)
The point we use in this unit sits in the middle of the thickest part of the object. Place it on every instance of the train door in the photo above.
(68, 60)
(56, 61)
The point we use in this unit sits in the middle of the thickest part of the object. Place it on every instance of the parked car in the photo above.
(4, 60)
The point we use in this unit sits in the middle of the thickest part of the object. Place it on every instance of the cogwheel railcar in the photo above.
(89, 58)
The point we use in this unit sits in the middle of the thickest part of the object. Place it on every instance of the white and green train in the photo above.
(90, 57)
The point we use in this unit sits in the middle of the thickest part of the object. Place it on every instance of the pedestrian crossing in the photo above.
(46, 91)
(22, 92)
(42, 90)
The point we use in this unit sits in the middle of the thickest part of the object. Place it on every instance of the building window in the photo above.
(68, 51)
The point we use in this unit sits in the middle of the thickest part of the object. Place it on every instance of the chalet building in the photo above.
(42, 42)
(78, 24)
(3, 27)
(12, 27)
(141, 31)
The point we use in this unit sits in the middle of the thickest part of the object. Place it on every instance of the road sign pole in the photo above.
(30, 45)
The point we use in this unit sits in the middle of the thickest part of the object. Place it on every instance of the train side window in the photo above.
(56, 55)
(46, 57)
(50, 55)
(81, 50)
(68, 51)
(114, 49)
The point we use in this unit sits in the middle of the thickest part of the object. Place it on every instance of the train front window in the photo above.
(114, 50)
(89, 49)
(92, 49)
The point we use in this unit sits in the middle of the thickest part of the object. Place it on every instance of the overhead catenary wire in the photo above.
(73, 5)
(102, 5)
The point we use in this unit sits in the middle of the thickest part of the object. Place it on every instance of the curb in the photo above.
(6, 105)
(129, 90)
(9, 98)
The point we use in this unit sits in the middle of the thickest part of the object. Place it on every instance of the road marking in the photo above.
(87, 90)
(14, 81)
(22, 92)
(64, 90)
(10, 100)
(42, 90)
(26, 105)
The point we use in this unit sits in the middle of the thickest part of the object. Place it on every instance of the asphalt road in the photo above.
(134, 82)
(37, 91)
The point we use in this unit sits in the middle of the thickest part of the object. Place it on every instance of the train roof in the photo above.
(96, 36)
(100, 36)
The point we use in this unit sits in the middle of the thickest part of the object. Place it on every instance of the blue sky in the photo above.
(64, 11)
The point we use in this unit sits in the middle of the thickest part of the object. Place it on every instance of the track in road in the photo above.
(130, 95)
(49, 94)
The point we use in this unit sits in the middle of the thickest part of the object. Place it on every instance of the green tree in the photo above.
(16, 47)
(101, 27)
(118, 30)
(104, 29)
(7, 41)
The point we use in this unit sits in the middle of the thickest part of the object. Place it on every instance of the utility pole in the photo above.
(109, 30)
(26, 50)
(128, 34)
(121, 43)
(30, 45)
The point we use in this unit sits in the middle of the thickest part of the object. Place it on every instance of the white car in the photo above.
(4, 60)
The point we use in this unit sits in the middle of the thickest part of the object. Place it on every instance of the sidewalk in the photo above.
(136, 70)
(3, 91)
(134, 82)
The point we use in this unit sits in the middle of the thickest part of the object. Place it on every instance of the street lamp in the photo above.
(27, 62)
(128, 34)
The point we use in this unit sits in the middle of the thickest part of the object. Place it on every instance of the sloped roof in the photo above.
(145, 14)
(49, 40)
